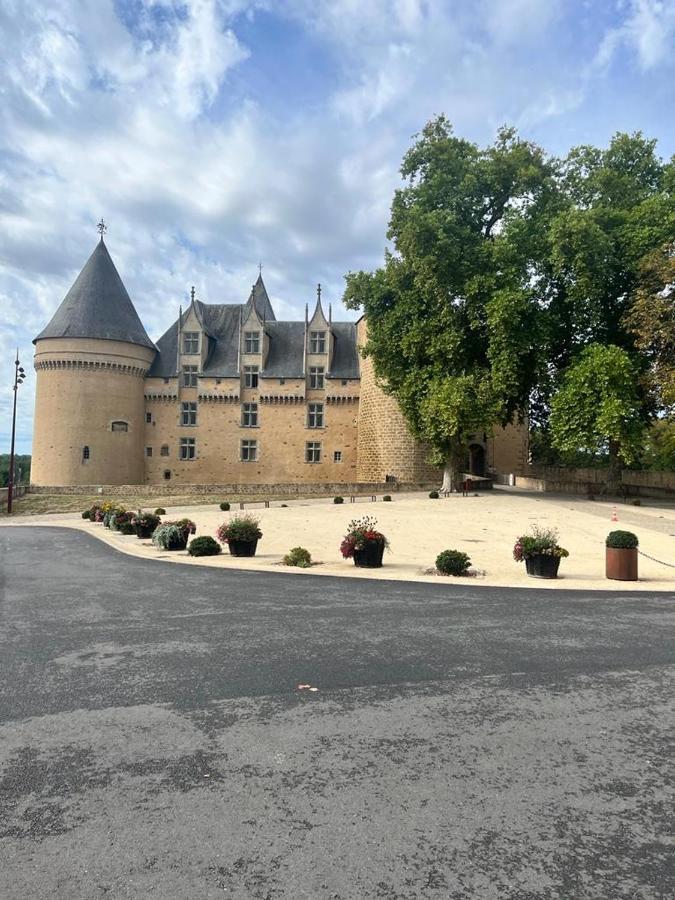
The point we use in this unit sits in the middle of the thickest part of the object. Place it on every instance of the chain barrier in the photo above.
(654, 559)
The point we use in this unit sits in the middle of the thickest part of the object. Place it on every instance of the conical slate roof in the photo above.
(98, 306)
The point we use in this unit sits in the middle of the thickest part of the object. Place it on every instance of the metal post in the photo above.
(19, 376)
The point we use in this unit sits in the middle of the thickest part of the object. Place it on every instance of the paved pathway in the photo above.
(463, 742)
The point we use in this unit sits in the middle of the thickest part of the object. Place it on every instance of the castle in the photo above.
(227, 395)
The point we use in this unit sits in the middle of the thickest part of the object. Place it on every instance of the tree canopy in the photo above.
(452, 316)
(505, 266)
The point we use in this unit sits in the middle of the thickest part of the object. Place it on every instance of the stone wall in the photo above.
(385, 445)
(294, 489)
(586, 481)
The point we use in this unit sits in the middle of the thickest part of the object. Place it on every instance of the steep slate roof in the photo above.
(260, 297)
(286, 350)
(345, 351)
(97, 306)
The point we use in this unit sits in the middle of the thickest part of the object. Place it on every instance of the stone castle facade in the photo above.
(227, 395)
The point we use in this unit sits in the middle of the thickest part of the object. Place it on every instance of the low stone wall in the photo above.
(265, 490)
(559, 480)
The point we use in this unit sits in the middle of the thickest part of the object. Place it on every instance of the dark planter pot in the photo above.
(370, 557)
(542, 566)
(242, 548)
(621, 563)
(127, 529)
(178, 545)
(145, 531)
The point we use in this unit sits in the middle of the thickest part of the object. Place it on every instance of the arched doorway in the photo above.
(477, 460)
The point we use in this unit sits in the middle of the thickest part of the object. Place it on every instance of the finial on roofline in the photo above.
(102, 228)
(192, 294)
(318, 292)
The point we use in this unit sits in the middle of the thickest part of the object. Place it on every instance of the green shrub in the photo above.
(636, 502)
(338, 499)
(622, 540)
(169, 537)
(386, 498)
(204, 546)
(433, 495)
(86, 514)
(160, 511)
(452, 562)
(299, 557)
(123, 522)
(284, 505)
(225, 506)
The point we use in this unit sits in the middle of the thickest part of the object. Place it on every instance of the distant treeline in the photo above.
(21, 462)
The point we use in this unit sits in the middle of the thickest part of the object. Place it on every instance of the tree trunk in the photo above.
(614, 469)
(452, 471)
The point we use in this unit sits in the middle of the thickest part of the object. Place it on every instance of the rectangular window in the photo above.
(119, 426)
(189, 376)
(317, 342)
(148, 451)
(190, 342)
(85, 453)
(249, 451)
(313, 452)
(251, 342)
(187, 448)
(315, 415)
(316, 377)
(337, 456)
(164, 450)
(251, 376)
(148, 418)
(188, 414)
(249, 415)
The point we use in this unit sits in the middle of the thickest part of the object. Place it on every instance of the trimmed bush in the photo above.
(160, 511)
(299, 557)
(433, 495)
(338, 499)
(622, 540)
(204, 546)
(284, 505)
(452, 562)
(225, 506)
(86, 514)
(386, 499)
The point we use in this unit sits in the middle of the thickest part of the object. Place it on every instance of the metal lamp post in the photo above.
(19, 376)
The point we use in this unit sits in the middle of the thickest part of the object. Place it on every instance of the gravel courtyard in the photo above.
(485, 526)
(463, 742)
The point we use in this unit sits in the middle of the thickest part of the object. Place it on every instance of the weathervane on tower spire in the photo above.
(102, 228)
(318, 292)
(192, 294)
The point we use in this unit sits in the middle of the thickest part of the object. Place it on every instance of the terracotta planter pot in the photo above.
(242, 548)
(621, 563)
(370, 557)
(542, 566)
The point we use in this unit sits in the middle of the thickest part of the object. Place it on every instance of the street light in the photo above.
(19, 376)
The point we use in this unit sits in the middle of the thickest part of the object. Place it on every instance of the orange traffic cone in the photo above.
(614, 517)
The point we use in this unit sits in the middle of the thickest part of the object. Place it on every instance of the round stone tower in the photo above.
(386, 448)
(90, 364)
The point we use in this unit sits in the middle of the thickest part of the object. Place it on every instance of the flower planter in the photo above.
(145, 531)
(370, 557)
(178, 545)
(242, 548)
(621, 563)
(542, 566)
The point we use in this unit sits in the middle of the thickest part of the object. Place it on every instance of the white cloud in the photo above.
(648, 31)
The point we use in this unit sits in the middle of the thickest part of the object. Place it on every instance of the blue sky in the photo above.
(211, 134)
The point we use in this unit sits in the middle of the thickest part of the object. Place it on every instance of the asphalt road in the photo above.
(464, 741)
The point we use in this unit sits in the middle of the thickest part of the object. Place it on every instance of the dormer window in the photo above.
(190, 343)
(251, 342)
(317, 342)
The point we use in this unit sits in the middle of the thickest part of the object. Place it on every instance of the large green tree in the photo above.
(453, 315)
(598, 408)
